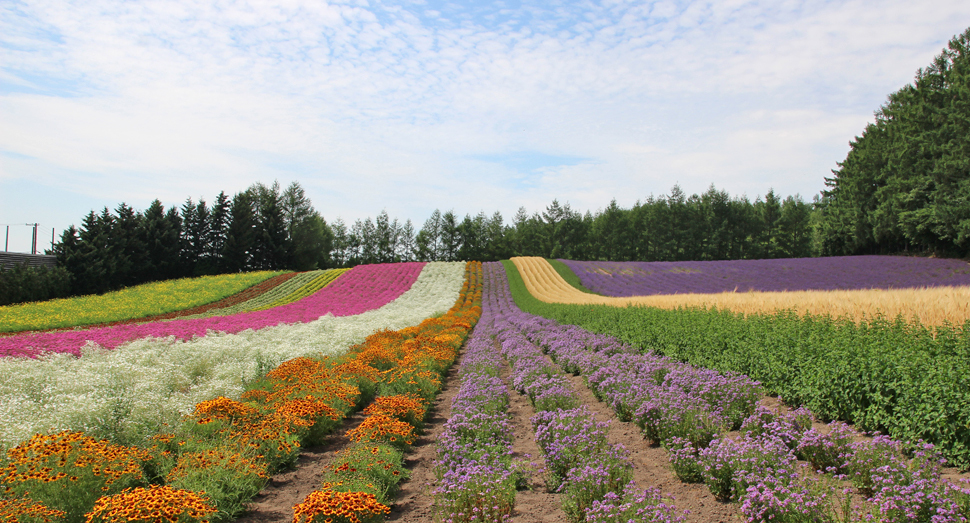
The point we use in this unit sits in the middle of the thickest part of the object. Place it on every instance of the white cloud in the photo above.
(375, 105)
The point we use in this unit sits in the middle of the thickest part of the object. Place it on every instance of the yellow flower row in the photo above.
(134, 302)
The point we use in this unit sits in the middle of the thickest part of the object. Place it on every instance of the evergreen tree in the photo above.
(386, 236)
(428, 240)
(271, 249)
(218, 229)
(308, 238)
(406, 245)
(905, 183)
(240, 234)
(341, 243)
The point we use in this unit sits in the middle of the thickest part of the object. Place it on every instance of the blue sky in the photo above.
(410, 106)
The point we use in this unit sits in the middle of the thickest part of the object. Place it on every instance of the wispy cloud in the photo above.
(412, 105)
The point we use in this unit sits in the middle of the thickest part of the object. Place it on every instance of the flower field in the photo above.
(132, 391)
(775, 465)
(296, 288)
(185, 421)
(143, 300)
(210, 462)
(932, 306)
(364, 288)
(780, 275)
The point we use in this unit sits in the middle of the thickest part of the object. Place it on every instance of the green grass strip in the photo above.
(905, 380)
(134, 302)
(570, 276)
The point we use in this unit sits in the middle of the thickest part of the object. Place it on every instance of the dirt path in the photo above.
(414, 501)
(536, 505)
(274, 504)
(651, 467)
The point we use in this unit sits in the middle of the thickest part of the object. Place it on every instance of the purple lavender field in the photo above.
(789, 274)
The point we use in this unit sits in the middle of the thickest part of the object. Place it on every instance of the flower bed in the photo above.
(473, 464)
(794, 274)
(222, 453)
(130, 393)
(690, 411)
(363, 288)
(361, 482)
(142, 300)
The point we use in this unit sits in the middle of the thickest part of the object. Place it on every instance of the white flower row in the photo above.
(133, 391)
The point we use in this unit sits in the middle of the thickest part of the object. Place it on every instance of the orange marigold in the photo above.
(338, 507)
(156, 504)
(12, 510)
(381, 427)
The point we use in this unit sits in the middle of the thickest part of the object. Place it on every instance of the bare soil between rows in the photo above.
(414, 503)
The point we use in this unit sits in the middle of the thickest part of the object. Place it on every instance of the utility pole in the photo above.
(6, 244)
(33, 241)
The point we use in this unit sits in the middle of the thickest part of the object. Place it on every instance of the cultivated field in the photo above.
(931, 306)
(327, 397)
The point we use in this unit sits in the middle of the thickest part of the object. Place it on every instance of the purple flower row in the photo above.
(664, 397)
(760, 470)
(831, 273)
(593, 476)
(474, 453)
(689, 411)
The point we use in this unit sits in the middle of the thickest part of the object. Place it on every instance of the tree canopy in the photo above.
(905, 183)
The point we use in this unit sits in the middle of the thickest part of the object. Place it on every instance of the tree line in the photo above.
(266, 228)
(905, 183)
(260, 228)
(674, 227)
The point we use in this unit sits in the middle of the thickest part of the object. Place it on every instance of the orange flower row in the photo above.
(156, 504)
(380, 428)
(35, 459)
(402, 406)
(336, 507)
(195, 461)
(13, 510)
(411, 363)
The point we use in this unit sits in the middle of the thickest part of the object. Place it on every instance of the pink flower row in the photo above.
(361, 289)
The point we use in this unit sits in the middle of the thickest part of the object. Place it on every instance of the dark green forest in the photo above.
(260, 228)
(905, 184)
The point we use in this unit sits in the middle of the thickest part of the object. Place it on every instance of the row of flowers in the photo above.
(592, 475)
(135, 302)
(295, 288)
(363, 479)
(690, 411)
(363, 288)
(133, 392)
(220, 457)
(473, 464)
(777, 275)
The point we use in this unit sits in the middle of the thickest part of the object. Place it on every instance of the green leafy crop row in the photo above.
(908, 381)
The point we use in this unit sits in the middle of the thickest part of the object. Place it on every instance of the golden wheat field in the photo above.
(931, 307)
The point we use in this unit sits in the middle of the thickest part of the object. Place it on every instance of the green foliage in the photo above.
(905, 380)
(709, 226)
(905, 184)
(374, 468)
(21, 283)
